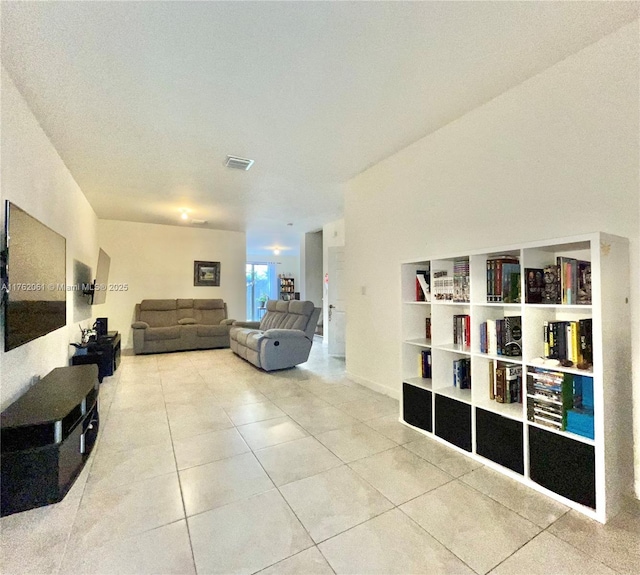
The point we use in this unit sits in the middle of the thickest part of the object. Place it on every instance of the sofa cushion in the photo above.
(208, 304)
(253, 340)
(158, 312)
(212, 330)
(241, 335)
(160, 333)
(159, 318)
(287, 315)
(283, 333)
(157, 304)
(185, 308)
(187, 321)
(209, 311)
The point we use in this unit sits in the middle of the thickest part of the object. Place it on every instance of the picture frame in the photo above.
(206, 273)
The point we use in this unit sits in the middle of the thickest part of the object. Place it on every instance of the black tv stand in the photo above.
(105, 354)
(46, 437)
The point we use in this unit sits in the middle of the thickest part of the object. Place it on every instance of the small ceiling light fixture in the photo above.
(276, 252)
(184, 216)
(238, 163)
(184, 213)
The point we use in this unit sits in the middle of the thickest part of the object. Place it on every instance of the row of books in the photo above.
(442, 285)
(561, 401)
(503, 280)
(461, 284)
(505, 382)
(462, 329)
(570, 341)
(423, 290)
(568, 282)
(548, 398)
(502, 336)
(425, 363)
(462, 373)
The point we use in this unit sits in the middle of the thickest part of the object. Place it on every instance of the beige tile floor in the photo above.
(206, 465)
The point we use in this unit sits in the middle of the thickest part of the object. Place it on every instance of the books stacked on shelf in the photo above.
(505, 382)
(427, 328)
(442, 285)
(461, 280)
(549, 396)
(425, 364)
(533, 285)
(462, 373)
(580, 416)
(503, 279)
(423, 292)
(569, 341)
(575, 281)
(462, 330)
(502, 336)
(567, 283)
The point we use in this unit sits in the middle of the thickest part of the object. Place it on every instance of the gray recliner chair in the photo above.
(283, 337)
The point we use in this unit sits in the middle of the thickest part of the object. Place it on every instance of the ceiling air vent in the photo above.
(238, 163)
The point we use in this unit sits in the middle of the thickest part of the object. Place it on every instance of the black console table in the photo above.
(105, 354)
(46, 436)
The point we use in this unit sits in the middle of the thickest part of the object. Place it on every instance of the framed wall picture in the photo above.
(206, 273)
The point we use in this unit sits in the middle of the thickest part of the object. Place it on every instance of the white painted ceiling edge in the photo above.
(144, 100)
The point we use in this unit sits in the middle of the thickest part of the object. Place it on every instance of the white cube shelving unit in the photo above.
(590, 475)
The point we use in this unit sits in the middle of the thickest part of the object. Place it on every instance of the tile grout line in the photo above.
(175, 460)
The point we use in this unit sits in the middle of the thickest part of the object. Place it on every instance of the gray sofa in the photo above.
(281, 339)
(180, 324)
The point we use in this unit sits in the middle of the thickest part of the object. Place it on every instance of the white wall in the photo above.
(333, 236)
(311, 267)
(34, 177)
(156, 262)
(554, 156)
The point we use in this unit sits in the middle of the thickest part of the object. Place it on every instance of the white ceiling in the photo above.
(144, 100)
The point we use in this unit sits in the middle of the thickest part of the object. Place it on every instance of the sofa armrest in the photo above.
(187, 321)
(227, 322)
(251, 324)
(139, 325)
(284, 334)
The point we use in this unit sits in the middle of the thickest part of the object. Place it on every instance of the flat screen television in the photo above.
(33, 280)
(98, 291)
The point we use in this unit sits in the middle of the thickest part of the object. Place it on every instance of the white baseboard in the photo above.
(394, 393)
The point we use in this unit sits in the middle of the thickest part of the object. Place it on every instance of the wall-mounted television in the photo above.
(33, 278)
(98, 290)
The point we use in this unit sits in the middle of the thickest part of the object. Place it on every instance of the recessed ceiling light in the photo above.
(184, 216)
(238, 163)
(276, 252)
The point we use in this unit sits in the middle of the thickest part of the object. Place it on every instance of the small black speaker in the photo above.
(101, 327)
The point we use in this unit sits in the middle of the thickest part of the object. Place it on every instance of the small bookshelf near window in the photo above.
(287, 289)
(520, 358)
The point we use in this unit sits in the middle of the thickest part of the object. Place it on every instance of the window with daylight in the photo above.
(262, 284)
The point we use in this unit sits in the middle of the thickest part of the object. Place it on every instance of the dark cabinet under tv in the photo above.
(105, 354)
(46, 437)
